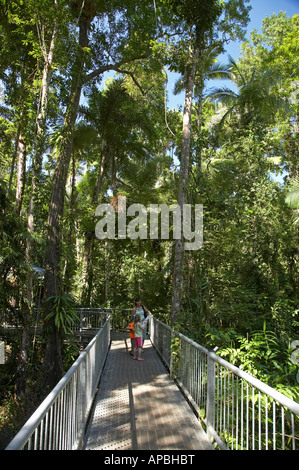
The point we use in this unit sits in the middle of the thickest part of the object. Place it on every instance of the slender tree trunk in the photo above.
(199, 125)
(26, 306)
(21, 373)
(40, 130)
(87, 269)
(22, 356)
(108, 251)
(53, 368)
(37, 167)
(14, 158)
(21, 173)
(178, 272)
(71, 261)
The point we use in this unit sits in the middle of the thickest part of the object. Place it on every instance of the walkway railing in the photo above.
(93, 318)
(60, 421)
(239, 411)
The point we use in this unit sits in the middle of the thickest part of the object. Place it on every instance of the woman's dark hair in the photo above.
(139, 299)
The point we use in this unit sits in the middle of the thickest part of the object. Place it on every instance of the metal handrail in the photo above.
(91, 318)
(239, 411)
(59, 422)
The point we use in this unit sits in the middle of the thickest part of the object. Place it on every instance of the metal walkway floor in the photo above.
(139, 407)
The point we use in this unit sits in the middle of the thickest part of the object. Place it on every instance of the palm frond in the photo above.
(219, 71)
(180, 85)
(235, 70)
(222, 94)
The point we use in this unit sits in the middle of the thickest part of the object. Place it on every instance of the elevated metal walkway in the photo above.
(138, 406)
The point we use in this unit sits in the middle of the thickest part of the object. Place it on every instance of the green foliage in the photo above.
(175, 349)
(201, 13)
(63, 313)
(261, 353)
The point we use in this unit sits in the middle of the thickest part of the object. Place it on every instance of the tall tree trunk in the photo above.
(71, 261)
(53, 367)
(87, 269)
(22, 356)
(178, 271)
(37, 167)
(199, 149)
(40, 130)
(14, 158)
(108, 251)
(21, 173)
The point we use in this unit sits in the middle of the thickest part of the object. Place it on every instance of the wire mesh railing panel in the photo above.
(160, 335)
(192, 374)
(59, 422)
(120, 317)
(248, 419)
(250, 415)
(239, 411)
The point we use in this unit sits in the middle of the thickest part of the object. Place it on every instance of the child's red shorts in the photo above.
(138, 342)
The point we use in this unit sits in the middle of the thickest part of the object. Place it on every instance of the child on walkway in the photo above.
(143, 312)
(132, 337)
(138, 330)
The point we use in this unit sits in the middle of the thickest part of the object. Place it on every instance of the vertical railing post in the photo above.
(81, 325)
(172, 334)
(210, 397)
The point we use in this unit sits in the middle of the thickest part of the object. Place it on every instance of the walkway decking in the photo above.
(138, 407)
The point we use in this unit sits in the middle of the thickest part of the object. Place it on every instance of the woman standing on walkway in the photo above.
(143, 312)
